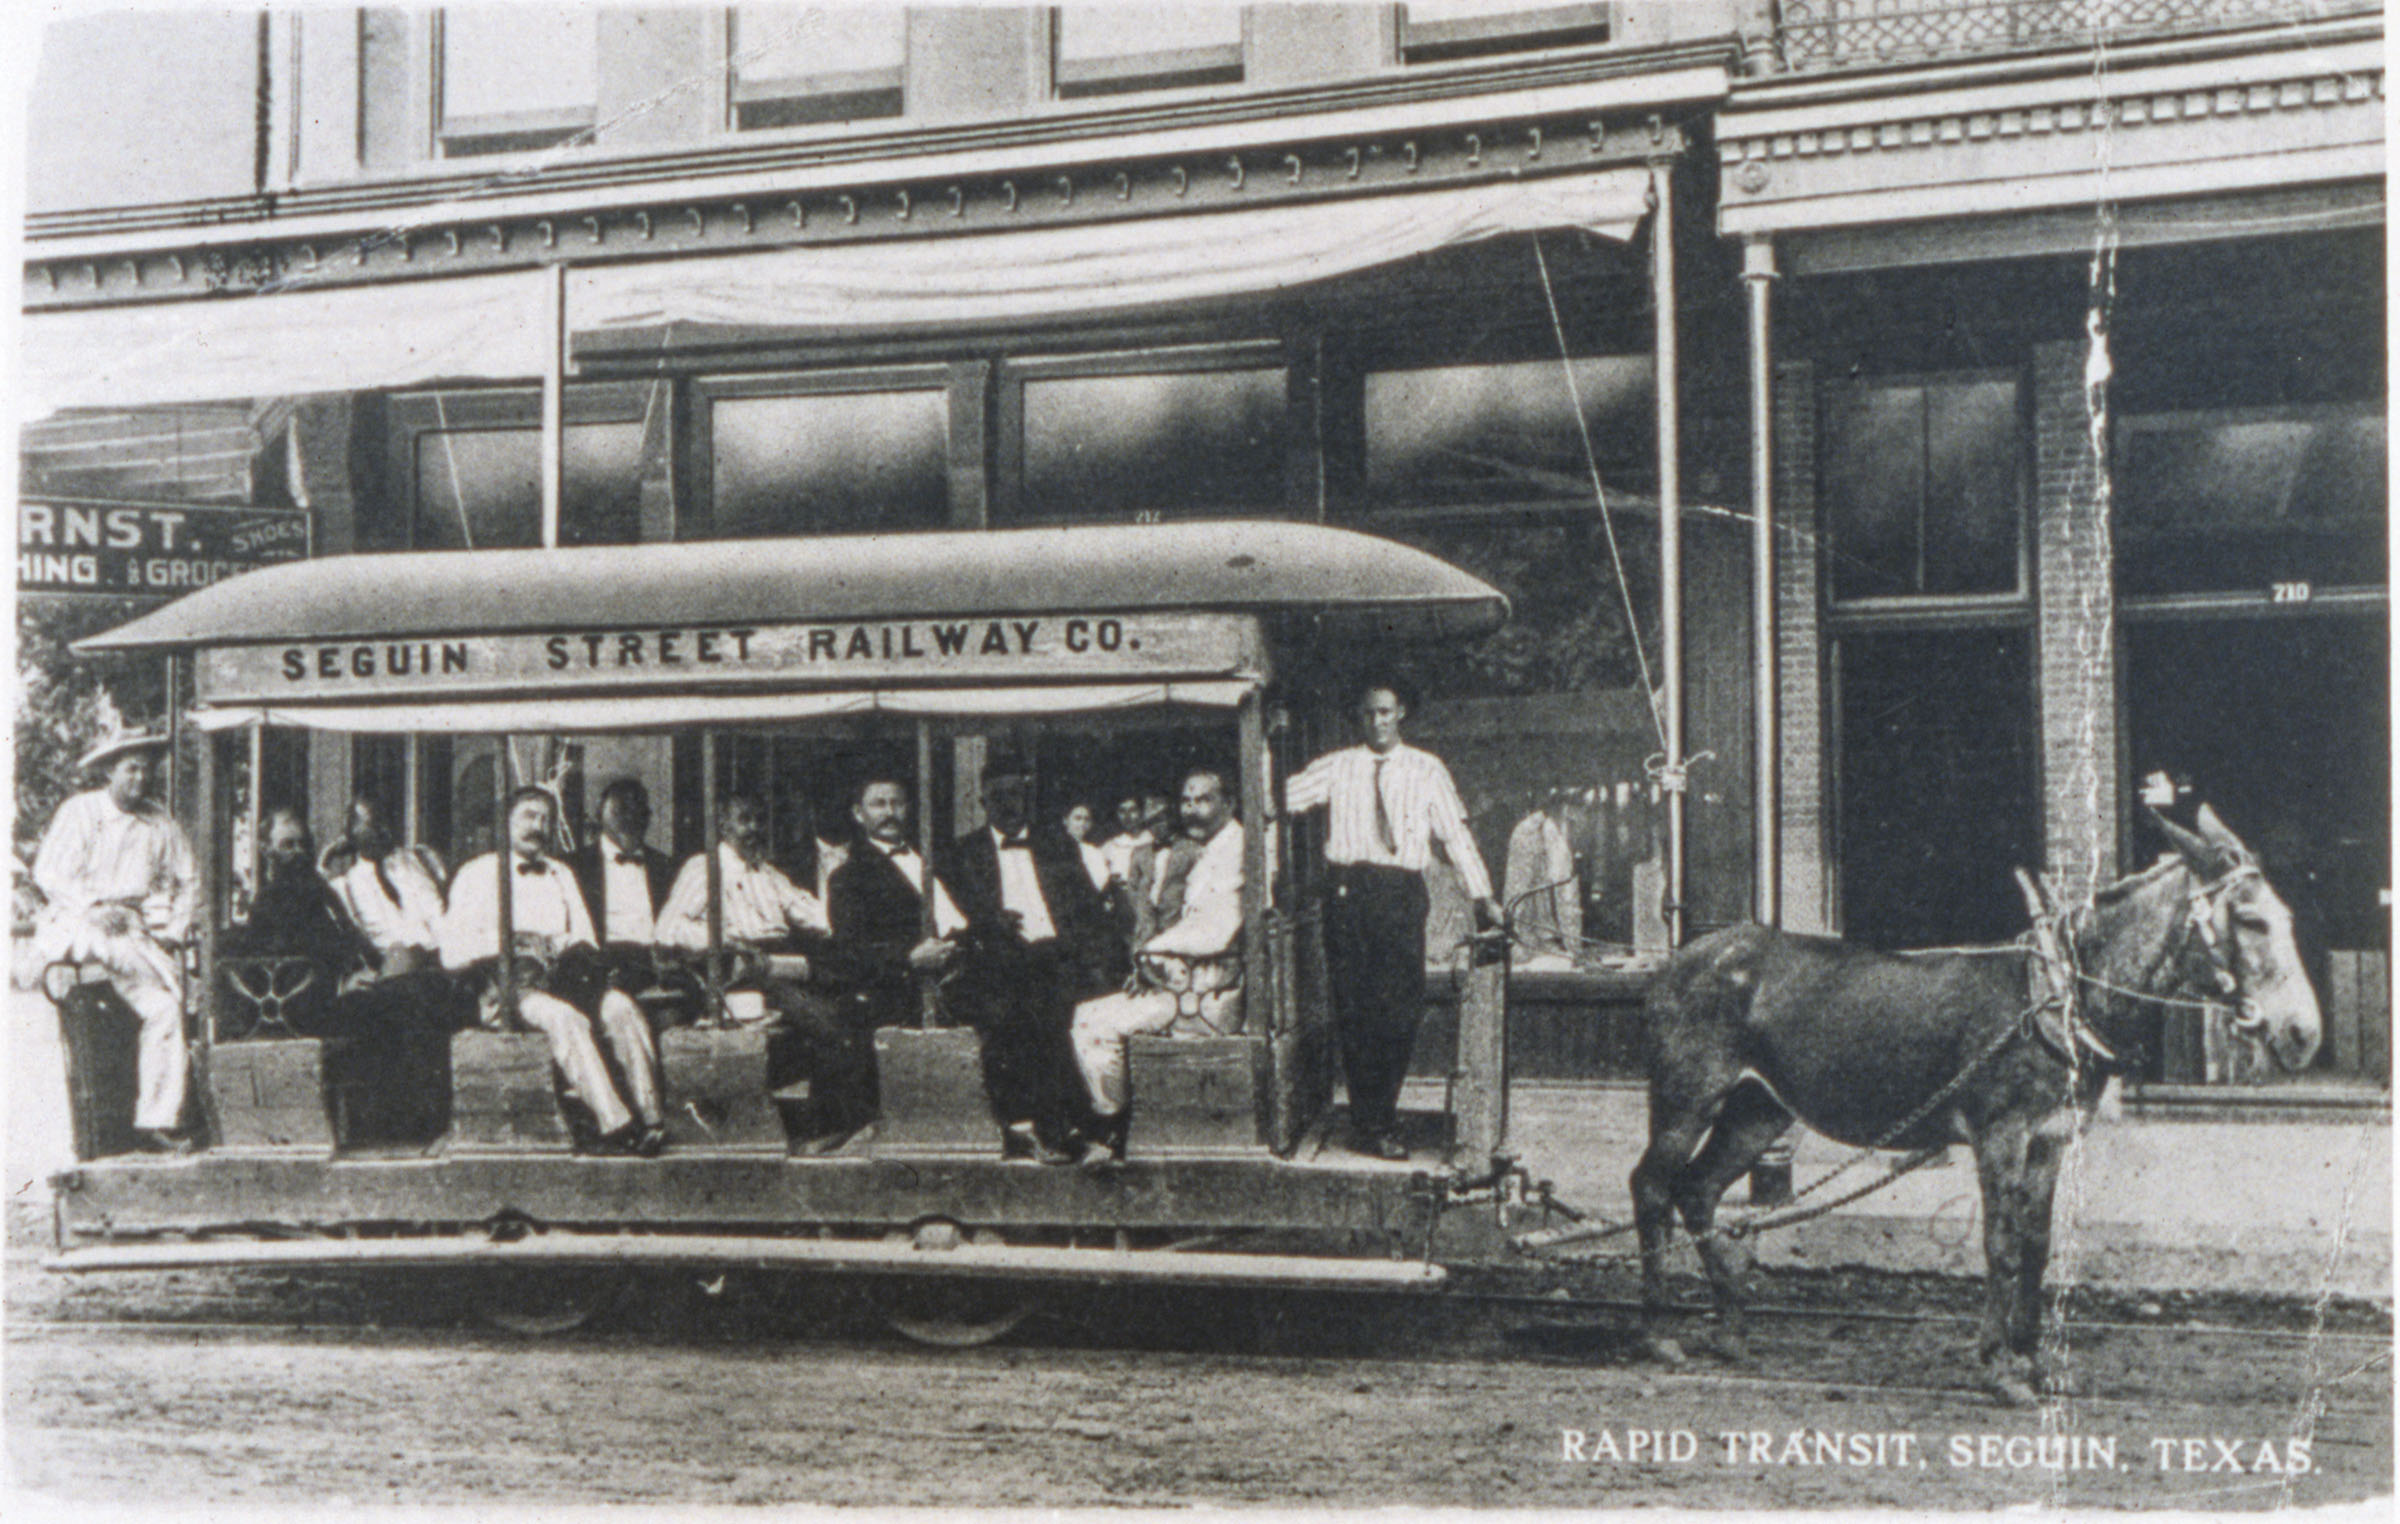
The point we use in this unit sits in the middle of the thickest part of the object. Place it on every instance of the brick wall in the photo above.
(2075, 627)
(1807, 880)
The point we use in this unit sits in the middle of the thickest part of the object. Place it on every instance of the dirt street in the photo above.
(257, 1389)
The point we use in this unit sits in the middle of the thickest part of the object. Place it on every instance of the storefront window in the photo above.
(1459, 435)
(795, 65)
(1178, 444)
(1106, 49)
(829, 462)
(515, 78)
(2252, 501)
(1924, 489)
(481, 489)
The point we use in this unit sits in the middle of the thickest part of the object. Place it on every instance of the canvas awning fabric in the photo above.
(1089, 269)
(617, 716)
(285, 343)
(495, 327)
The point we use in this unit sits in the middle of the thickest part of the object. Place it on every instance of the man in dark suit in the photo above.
(625, 882)
(877, 911)
(1035, 930)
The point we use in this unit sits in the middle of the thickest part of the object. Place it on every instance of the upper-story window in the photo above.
(1449, 439)
(1924, 484)
(1433, 30)
(797, 65)
(1144, 437)
(514, 78)
(1109, 49)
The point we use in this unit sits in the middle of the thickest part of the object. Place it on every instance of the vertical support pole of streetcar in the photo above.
(504, 898)
(713, 974)
(929, 996)
(1254, 791)
(412, 786)
(254, 807)
(1670, 532)
(554, 400)
(174, 780)
(1758, 274)
(211, 812)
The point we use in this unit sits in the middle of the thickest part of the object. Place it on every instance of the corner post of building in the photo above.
(2074, 619)
(554, 399)
(1670, 532)
(1758, 277)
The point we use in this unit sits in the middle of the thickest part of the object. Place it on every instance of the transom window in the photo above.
(1433, 30)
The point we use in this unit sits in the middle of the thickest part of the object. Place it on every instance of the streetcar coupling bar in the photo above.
(991, 1261)
(1570, 1233)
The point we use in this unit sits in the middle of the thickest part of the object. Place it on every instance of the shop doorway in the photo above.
(2283, 725)
(1937, 803)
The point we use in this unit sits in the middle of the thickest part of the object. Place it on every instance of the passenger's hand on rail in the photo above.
(932, 953)
(114, 920)
(1488, 915)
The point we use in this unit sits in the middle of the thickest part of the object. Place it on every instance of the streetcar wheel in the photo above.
(954, 1314)
(542, 1302)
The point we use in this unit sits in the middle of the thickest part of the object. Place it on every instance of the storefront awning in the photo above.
(619, 716)
(284, 343)
(1091, 269)
(295, 342)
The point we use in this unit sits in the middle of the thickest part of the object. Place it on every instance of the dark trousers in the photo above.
(1375, 960)
(1020, 999)
(830, 1038)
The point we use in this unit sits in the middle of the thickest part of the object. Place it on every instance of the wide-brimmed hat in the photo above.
(116, 744)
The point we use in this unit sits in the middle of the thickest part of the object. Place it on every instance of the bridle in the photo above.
(2200, 916)
(2197, 941)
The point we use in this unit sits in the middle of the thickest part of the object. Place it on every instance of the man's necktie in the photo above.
(383, 880)
(627, 860)
(528, 870)
(1383, 818)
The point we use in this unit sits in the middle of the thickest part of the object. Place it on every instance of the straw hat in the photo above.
(112, 746)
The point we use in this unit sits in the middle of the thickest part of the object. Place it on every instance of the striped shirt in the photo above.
(1419, 807)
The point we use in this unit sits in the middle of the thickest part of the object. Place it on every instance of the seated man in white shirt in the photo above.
(393, 894)
(548, 921)
(781, 942)
(1187, 977)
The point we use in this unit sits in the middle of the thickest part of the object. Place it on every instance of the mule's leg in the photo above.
(2001, 1163)
(1750, 1120)
(1674, 1134)
(2037, 1193)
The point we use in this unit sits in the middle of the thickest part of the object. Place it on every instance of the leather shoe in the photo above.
(1098, 1158)
(651, 1141)
(162, 1140)
(1381, 1146)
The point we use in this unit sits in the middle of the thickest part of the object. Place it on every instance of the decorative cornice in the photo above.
(693, 224)
(1736, 154)
(1665, 78)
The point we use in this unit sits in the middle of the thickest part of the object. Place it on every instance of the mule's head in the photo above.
(2237, 943)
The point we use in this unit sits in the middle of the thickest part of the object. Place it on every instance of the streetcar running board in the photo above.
(994, 1261)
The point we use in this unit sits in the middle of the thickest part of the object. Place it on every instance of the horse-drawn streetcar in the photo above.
(720, 667)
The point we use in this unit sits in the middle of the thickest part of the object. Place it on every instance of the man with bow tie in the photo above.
(874, 903)
(548, 920)
(1037, 927)
(625, 883)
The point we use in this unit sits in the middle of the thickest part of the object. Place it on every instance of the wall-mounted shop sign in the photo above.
(121, 550)
(1011, 648)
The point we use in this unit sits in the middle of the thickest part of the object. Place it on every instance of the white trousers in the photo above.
(577, 1054)
(1101, 1027)
(146, 974)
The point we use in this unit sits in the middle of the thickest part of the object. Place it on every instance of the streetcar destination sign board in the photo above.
(1016, 647)
(148, 550)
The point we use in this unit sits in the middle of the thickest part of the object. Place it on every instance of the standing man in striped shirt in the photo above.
(1388, 805)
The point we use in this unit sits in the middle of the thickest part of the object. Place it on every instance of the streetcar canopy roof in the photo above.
(652, 637)
(1354, 584)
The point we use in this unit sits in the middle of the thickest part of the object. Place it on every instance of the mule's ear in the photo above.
(2195, 850)
(2220, 835)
